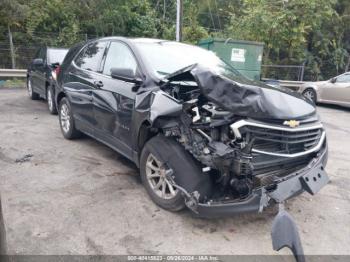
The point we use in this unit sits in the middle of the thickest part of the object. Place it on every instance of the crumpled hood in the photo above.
(244, 97)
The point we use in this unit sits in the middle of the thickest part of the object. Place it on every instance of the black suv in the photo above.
(42, 74)
(201, 134)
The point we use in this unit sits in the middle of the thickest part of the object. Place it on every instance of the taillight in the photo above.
(55, 72)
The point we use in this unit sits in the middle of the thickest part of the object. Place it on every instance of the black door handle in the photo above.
(98, 84)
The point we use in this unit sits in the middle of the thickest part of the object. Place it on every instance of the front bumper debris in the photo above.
(285, 233)
(311, 179)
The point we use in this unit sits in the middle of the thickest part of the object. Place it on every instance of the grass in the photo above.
(13, 83)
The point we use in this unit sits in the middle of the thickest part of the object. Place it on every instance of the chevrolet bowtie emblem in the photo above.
(291, 123)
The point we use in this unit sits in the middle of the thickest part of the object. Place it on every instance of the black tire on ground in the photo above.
(310, 94)
(31, 93)
(50, 98)
(187, 171)
(66, 120)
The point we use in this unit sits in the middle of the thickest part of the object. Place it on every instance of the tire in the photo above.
(187, 173)
(51, 100)
(66, 120)
(31, 93)
(310, 94)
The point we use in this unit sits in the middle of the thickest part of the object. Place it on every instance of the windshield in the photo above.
(56, 55)
(167, 57)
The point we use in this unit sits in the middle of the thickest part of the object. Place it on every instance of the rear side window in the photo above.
(119, 56)
(56, 55)
(90, 58)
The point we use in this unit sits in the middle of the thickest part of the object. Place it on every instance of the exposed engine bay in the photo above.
(241, 154)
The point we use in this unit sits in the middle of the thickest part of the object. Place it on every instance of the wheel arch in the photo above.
(313, 89)
(145, 133)
(60, 95)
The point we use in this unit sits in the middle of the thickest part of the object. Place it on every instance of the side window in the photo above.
(119, 56)
(90, 58)
(343, 78)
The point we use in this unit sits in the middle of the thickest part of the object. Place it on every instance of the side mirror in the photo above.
(333, 80)
(125, 74)
(38, 62)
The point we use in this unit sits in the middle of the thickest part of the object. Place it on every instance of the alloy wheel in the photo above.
(155, 173)
(49, 99)
(309, 94)
(65, 118)
(30, 89)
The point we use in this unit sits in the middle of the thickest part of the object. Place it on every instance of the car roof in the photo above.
(133, 39)
(56, 48)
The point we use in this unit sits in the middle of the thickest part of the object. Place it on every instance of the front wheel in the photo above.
(159, 155)
(67, 124)
(161, 191)
(310, 94)
(51, 101)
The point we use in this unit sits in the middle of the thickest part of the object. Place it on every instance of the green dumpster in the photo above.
(245, 56)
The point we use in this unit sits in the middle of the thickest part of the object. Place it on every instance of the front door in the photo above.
(337, 91)
(114, 101)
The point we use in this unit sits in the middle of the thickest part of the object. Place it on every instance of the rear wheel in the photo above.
(66, 120)
(310, 94)
(51, 101)
(31, 93)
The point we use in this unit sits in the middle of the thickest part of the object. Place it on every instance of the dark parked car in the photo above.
(202, 135)
(42, 75)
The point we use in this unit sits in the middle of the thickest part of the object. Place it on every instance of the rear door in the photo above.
(80, 82)
(337, 92)
(41, 71)
(114, 101)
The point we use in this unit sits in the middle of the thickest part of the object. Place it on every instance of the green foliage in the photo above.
(294, 31)
(192, 31)
(315, 32)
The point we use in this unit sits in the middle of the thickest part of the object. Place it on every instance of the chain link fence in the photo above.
(26, 45)
(283, 72)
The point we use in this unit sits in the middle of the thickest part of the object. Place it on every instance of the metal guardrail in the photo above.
(13, 72)
(294, 85)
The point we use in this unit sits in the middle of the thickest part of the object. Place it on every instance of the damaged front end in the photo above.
(242, 137)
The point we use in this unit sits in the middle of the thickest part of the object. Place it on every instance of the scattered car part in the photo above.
(284, 233)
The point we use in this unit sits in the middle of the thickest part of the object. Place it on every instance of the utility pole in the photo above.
(179, 21)
(12, 49)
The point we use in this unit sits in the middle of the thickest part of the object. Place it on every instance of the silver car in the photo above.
(333, 91)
